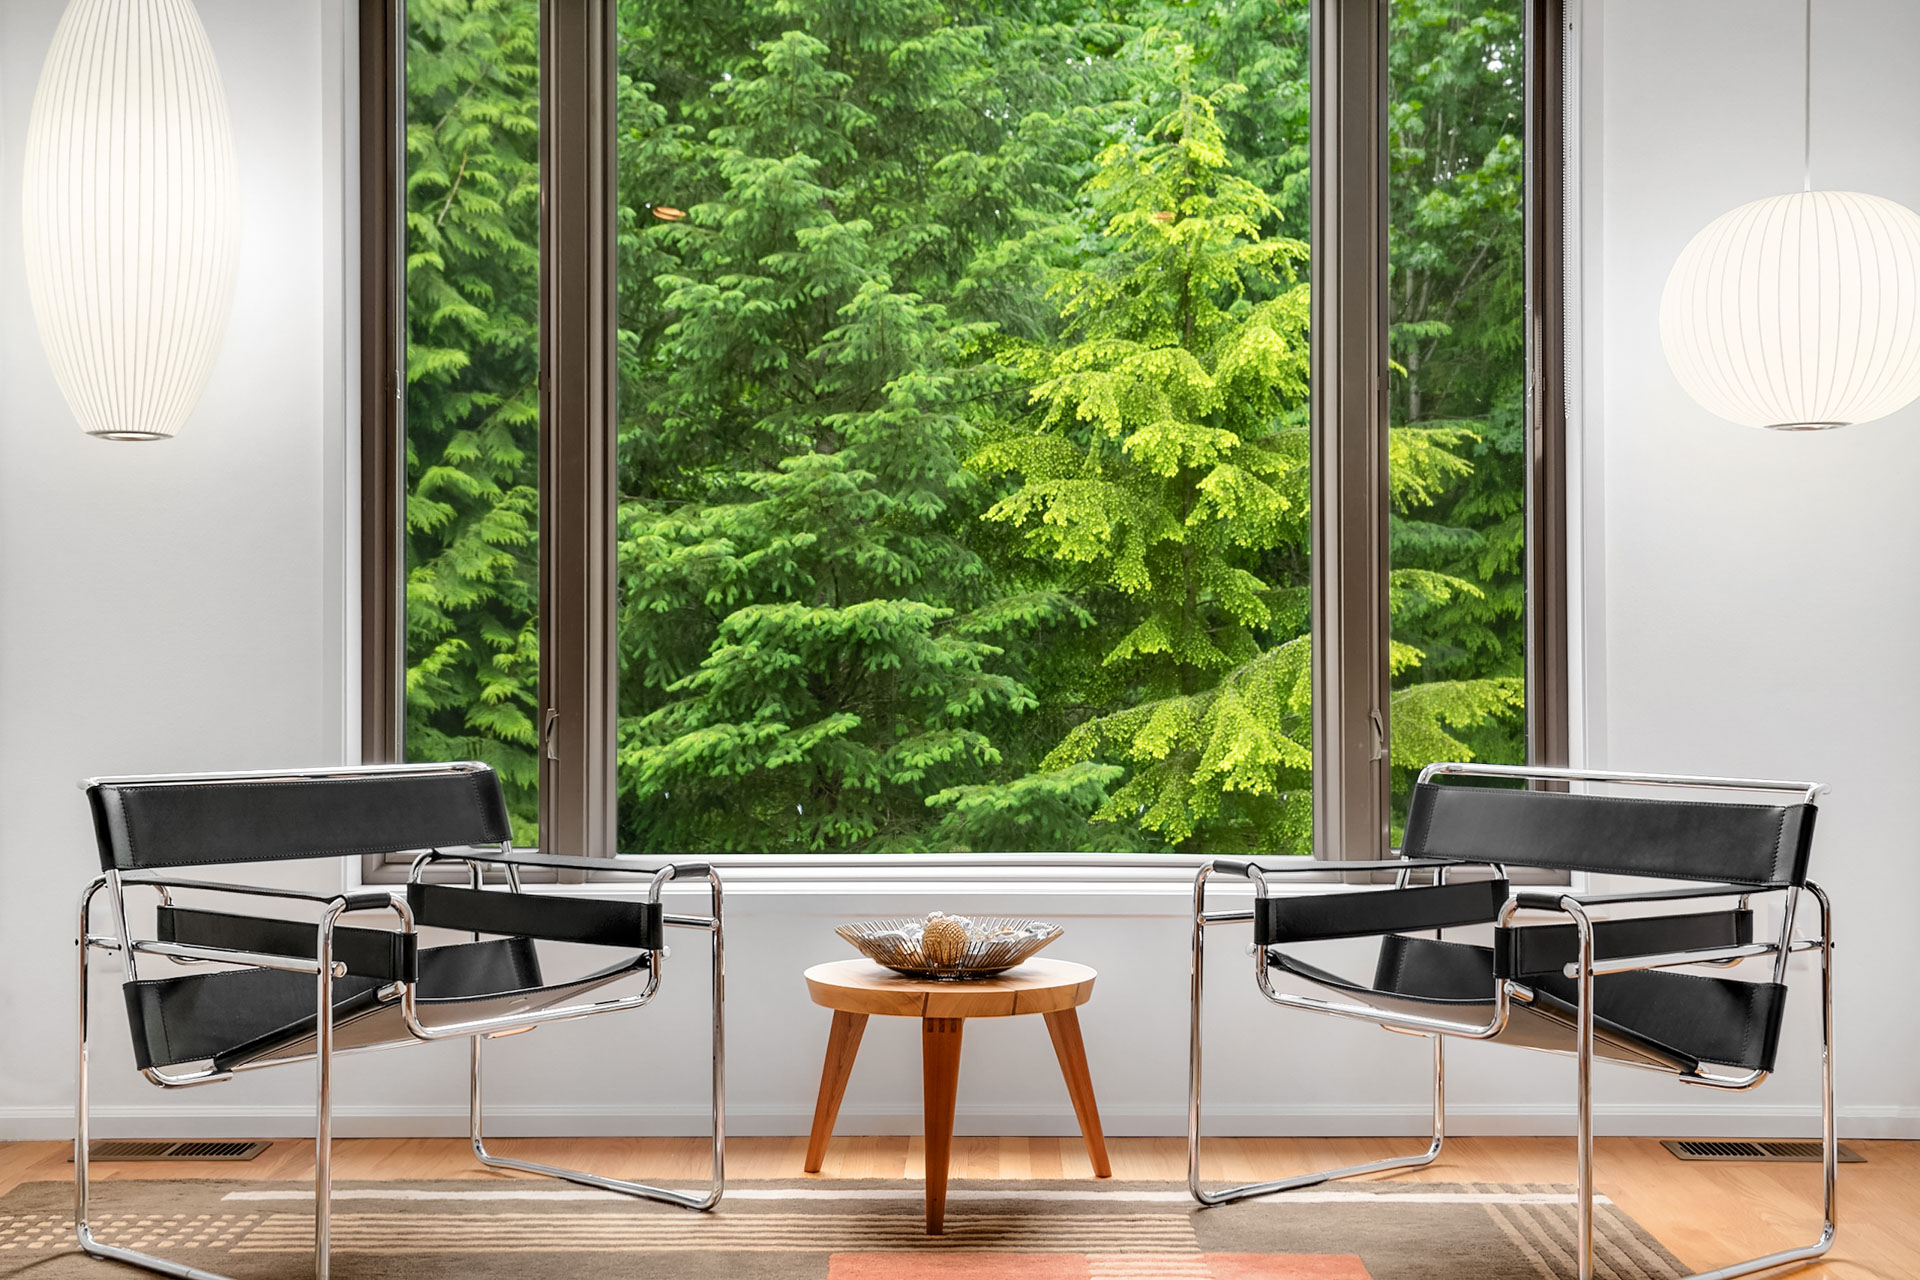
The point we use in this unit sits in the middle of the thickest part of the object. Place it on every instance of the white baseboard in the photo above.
(748, 1120)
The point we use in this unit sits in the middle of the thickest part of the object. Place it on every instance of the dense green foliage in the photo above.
(963, 372)
(1457, 295)
(473, 192)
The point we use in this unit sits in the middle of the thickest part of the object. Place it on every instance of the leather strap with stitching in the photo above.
(594, 921)
(1370, 912)
(385, 954)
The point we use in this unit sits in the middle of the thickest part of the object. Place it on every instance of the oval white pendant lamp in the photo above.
(130, 210)
(1799, 312)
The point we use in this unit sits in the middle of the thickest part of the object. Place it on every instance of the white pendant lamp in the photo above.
(1799, 312)
(130, 211)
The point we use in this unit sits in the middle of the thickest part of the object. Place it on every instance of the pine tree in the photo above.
(1165, 462)
(1163, 465)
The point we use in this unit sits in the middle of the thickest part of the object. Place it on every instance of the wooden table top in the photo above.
(1038, 986)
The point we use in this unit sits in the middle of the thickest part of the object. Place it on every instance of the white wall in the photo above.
(1761, 601)
(177, 603)
(185, 605)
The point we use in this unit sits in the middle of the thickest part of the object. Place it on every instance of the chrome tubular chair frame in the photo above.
(1582, 971)
(712, 925)
(1436, 1029)
(326, 968)
(1586, 969)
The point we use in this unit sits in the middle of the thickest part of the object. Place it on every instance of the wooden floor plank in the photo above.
(1708, 1214)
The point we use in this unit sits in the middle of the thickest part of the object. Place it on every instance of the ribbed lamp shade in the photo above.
(130, 211)
(1799, 312)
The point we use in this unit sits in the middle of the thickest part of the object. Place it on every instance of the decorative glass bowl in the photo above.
(963, 948)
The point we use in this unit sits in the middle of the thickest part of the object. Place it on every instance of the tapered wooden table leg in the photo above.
(853, 989)
(843, 1042)
(1064, 1027)
(940, 1076)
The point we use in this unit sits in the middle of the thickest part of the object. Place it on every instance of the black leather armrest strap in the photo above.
(385, 954)
(1547, 949)
(1311, 917)
(595, 921)
(1549, 899)
(554, 862)
(1301, 866)
(365, 900)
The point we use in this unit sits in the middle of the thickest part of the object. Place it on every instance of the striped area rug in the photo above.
(819, 1230)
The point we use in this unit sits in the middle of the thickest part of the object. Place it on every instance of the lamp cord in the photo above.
(1806, 122)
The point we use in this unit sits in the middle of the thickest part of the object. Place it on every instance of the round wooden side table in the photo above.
(858, 989)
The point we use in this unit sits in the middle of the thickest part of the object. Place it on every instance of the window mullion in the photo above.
(1349, 429)
(382, 86)
(1546, 544)
(576, 432)
(381, 40)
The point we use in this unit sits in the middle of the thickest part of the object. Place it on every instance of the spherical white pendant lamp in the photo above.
(1799, 312)
(130, 210)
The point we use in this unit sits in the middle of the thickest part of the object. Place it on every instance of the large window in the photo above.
(853, 427)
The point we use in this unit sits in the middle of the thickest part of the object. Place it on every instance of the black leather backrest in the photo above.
(144, 824)
(1747, 844)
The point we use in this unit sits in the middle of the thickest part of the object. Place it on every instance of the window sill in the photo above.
(1154, 876)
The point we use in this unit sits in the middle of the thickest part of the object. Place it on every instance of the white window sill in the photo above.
(1164, 880)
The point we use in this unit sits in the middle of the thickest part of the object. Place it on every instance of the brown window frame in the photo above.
(382, 137)
(1549, 678)
(1352, 719)
(576, 387)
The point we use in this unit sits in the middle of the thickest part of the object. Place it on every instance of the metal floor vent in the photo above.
(1773, 1149)
(120, 1149)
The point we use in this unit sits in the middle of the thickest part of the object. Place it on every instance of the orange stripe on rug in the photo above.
(956, 1266)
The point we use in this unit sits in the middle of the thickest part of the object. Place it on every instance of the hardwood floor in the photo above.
(1708, 1214)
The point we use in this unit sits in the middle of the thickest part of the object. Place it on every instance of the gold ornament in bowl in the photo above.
(944, 941)
(949, 948)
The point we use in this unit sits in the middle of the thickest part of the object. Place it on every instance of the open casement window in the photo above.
(882, 428)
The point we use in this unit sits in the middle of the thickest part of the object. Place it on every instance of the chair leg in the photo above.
(82, 1179)
(1583, 1106)
(1228, 1195)
(323, 1101)
(1829, 1138)
(716, 1187)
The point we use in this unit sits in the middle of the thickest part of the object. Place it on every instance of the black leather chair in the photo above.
(289, 991)
(1593, 988)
